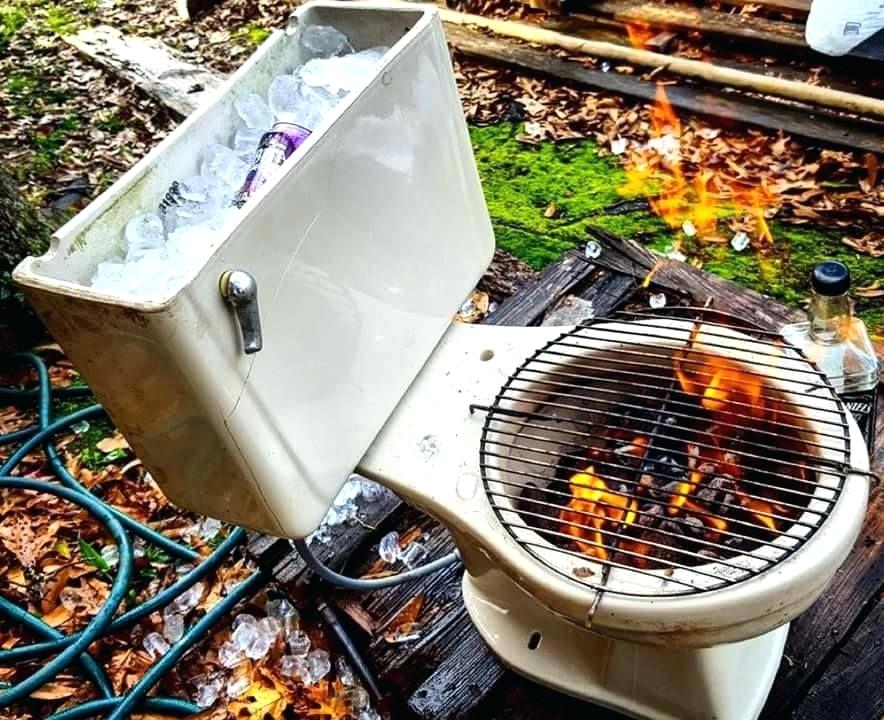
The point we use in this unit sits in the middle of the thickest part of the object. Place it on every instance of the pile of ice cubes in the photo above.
(161, 246)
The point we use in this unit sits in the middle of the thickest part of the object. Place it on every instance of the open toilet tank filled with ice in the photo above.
(373, 231)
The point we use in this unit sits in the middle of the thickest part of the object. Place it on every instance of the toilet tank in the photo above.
(362, 250)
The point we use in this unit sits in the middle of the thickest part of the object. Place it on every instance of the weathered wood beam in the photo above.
(150, 65)
(778, 87)
(735, 110)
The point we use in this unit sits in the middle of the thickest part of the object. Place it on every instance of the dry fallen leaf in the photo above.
(115, 442)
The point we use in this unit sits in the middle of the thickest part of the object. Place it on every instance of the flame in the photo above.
(761, 510)
(684, 197)
(718, 381)
(639, 34)
(594, 508)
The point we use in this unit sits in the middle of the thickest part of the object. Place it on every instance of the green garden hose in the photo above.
(66, 650)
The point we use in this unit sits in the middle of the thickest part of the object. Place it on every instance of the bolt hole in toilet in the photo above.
(641, 503)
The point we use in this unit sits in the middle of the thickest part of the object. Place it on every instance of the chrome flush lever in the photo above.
(240, 290)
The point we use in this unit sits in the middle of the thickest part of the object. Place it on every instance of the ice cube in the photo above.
(271, 627)
(155, 644)
(372, 491)
(222, 169)
(657, 301)
(298, 642)
(293, 666)
(318, 666)
(619, 145)
(344, 74)
(142, 233)
(388, 547)
(237, 685)
(189, 599)
(197, 200)
(344, 672)
(284, 94)
(173, 626)
(111, 555)
(209, 528)
(592, 250)
(69, 598)
(285, 613)
(357, 699)
(208, 689)
(149, 274)
(688, 228)
(230, 655)
(740, 241)
(322, 41)
(254, 111)
(245, 143)
(414, 554)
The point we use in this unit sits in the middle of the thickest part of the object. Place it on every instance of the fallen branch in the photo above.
(777, 87)
(150, 65)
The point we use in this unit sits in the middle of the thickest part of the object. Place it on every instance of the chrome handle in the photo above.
(240, 290)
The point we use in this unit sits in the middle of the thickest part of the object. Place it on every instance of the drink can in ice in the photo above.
(275, 146)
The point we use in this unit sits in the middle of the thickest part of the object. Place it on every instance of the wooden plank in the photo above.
(852, 687)
(734, 110)
(631, 258)
(703, 20)
(796, 6)
(557, 281)
(150, 65)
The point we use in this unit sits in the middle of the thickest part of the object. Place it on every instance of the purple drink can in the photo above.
(276, 145)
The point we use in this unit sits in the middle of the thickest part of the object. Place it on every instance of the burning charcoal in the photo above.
(672, 527)
(693, 525)
(550, 520)
(693, 454)
(649, 517)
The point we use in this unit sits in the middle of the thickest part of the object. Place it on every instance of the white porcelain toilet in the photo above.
(360, 254)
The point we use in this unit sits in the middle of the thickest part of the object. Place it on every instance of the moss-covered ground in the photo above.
(542, 198)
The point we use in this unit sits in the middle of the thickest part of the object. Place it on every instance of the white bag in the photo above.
(835, 27)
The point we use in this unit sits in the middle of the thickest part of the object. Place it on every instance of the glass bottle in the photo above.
(833, 337)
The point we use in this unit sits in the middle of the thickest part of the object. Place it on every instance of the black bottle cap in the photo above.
(830, 278)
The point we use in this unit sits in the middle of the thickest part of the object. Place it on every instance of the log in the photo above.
(703, 20)
(150, 65)
(777, 87)
(23, 232)
(737, 110)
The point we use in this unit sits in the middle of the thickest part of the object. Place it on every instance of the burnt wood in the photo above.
(731, 108)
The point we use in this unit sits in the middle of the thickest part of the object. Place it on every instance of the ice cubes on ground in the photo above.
(270, 626)
(740, 241)
(293, 666)
(111, 555)
(688, 228)
(357, 699)
(142, 233)
(657, 301)
(237, 685)
(244, 619)
(388, 547)
(323, 41)
(245, 143)
(209, 528)
(414, 555)
(69, 598)
(285, 613)
(173, 626)
(318, 666)
(254, 639)
(208, 688)
(344, 672)
(155, 644)
(254, 111)
(230, 655)
(592, 250)
(298, 642)
(619, 145)
(188, 599)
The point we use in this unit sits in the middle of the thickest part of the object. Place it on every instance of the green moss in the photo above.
(59, 20)
(110, 122)
(577, 188)
(12, 18)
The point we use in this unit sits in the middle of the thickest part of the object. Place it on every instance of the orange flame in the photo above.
(593, 509)
(685, 198)
(719, 381)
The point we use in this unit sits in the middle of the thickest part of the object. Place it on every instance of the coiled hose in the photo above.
(68, 649)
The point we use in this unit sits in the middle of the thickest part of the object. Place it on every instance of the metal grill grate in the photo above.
(664, 453)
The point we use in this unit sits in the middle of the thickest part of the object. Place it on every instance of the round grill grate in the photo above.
(664, 453)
